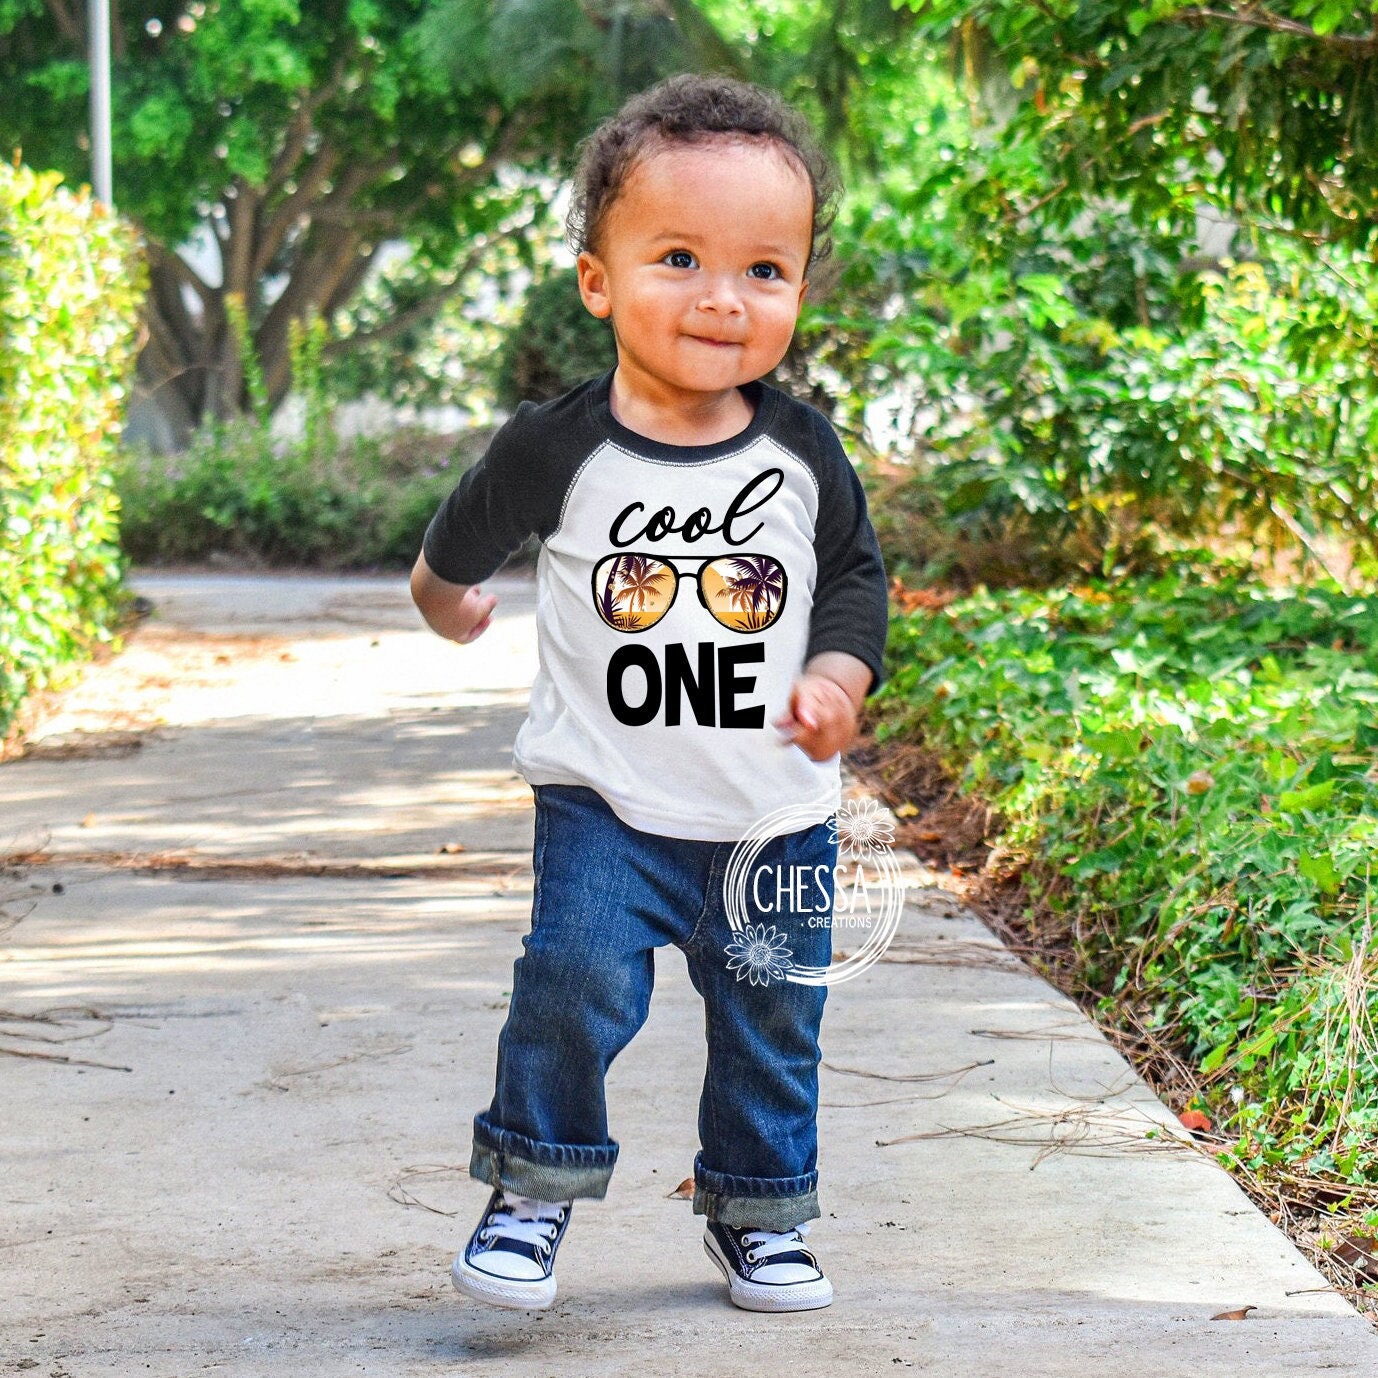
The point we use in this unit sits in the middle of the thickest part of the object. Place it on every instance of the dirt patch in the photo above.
(115, 704)
(934, 819)
(188, 649)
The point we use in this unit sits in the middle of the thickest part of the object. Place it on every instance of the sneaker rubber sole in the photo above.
(509, 1292)
(765, 1296)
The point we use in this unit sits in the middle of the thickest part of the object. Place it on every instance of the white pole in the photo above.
(98, 12)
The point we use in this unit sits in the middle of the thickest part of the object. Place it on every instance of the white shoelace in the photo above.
(767, 1243)
(526, 1219)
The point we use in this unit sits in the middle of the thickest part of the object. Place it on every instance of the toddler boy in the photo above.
(649, 744)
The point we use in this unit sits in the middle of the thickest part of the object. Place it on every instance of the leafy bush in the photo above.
(1191, 775)
(1075, 394)
(555, 344)
(310, 501)
(70, 285)
(1117, 457)
(321, 502)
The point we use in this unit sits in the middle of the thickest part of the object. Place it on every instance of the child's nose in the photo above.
(720, 296)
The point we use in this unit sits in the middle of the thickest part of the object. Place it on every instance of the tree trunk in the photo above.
(317, 233)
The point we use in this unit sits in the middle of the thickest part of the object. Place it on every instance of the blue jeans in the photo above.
(606, 895)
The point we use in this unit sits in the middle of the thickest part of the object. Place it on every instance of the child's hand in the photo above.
(458, 612)
(472, 615)
(822, 718)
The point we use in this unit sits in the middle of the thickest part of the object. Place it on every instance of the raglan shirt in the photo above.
(672, 723)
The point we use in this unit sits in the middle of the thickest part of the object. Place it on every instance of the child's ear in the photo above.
(593, 284)
(803, 287)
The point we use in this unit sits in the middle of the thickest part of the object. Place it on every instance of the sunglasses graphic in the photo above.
(633, 591)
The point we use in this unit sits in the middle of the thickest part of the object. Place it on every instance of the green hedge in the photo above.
(1190, 772)
(70, 285)
(354, 504)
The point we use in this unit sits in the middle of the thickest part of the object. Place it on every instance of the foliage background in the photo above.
(1186, 779)
(70, 284)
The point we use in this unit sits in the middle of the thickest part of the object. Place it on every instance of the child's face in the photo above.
(701, 266)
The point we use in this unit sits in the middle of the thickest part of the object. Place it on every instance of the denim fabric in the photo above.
(606, 895)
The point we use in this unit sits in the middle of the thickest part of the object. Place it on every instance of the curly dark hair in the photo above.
(691, 109)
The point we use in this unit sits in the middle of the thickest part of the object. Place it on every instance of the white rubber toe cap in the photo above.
(515, 1293)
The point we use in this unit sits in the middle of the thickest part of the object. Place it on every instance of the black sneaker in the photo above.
(510, 1258)
(767, 1270)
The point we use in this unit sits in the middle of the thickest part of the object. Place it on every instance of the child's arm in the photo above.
(487, 516)
(458, 612)
(824, 704)
(849, 619)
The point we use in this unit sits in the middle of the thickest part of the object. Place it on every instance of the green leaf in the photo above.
(1331, 15)
(69, 301)
(1297, 801)
(1216, 1056)
(1321, 869)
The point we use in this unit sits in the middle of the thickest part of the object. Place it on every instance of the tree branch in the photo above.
(239, 274)
(1144, 121)
(1312, 237)
(162, 364)
(1276, 23)
(704, 37)
(350, 283)
(1019, 212)
(504, 139)
(169, 261)
(299, 131)
(428, 307)
(293, 145)
(381, 220)
(67, 22)
(285, 213)
(1291, 523)
(165, 293)
(168, 359)
(324, 262)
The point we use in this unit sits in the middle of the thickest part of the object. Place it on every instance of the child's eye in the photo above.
(764, 271)
(680, 258)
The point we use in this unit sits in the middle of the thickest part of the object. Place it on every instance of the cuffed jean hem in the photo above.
(762, 1203)
(548, 1172)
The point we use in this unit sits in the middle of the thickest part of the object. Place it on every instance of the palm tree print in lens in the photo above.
(744, 592)
(633, 591)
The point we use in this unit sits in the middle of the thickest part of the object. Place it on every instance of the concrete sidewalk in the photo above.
(280, 999)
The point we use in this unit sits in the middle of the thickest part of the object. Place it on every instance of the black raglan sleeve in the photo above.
(493, 509)
(851, 606)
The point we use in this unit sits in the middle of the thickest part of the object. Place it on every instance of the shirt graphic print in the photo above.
(680, 591)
